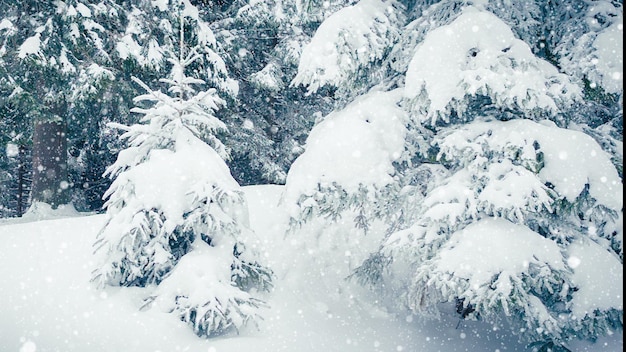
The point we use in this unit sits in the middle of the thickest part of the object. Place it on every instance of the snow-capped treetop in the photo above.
(186, 109)
(141, 40)
(522, 17)
(157, 181)
(346, 42)
(477, 54)
(351, 147)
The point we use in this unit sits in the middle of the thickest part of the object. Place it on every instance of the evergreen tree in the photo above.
(487, 169)
(336, 190)
(74, 59)
(508, 182)
(85, 52)
(53, 55)
(191, 238)
(343, 53)
(365, 135)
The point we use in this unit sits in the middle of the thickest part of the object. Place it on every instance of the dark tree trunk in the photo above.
(21, 179)
(50, 181)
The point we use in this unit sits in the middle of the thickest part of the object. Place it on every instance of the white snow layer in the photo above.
(269, 77)
(609, 60)
(163, 181)
(160, 4)
(201, 281)
(495, 246)
(128, 47)
(341, 47)
(351, 147)
(6, 24)
(83, 10)
(48, 303)
(478, 54)
(31, 46)
(572, 159)
(599, 276)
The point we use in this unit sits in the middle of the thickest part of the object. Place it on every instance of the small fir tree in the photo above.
(176, 217)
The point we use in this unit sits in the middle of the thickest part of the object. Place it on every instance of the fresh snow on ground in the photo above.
(48, 304)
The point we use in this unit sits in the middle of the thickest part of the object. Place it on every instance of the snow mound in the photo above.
(44, 211)
(49, 304)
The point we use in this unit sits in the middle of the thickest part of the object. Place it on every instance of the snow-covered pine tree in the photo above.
(347, 166)
(175, 215)
(513, 225)
(507, 230)
(30, 73)
(86, 51)
(55, 56)
(335, 189)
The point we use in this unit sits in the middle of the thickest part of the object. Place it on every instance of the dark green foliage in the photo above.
(81, 63)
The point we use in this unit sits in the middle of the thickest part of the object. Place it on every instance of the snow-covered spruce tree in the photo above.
(347, 169)
(175, 215)
(524, 224)
(349, 51)
(334, 187)
(514, 230)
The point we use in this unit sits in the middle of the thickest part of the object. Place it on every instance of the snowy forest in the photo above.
(428, 159)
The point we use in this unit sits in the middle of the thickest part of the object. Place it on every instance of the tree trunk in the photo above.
(50, 184)
(21, 179)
